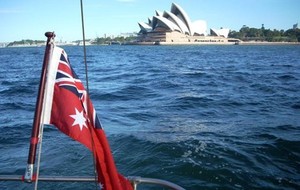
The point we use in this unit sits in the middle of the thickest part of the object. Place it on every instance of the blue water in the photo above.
(204, 117)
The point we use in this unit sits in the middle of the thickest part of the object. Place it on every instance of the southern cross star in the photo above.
(101, 186)
(79, 119)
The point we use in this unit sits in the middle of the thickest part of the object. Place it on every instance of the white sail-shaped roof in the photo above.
(214, 32)
(158, 13)
(159, 21)
(221, 32)
(150, 21)
(145, 27)
(181, 14)
(224, 32)
(177, 21)
(200, 27)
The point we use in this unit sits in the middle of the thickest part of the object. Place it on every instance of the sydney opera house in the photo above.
(175, 27)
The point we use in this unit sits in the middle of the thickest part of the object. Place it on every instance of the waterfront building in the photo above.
(175, 27)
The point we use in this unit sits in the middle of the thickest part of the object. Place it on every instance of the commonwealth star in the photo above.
(79, 119)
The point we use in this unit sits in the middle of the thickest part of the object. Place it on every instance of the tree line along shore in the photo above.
(247, 34)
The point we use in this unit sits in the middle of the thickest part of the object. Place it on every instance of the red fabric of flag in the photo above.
(73, 113)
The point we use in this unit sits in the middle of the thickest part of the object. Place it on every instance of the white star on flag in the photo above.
(79, 119)
(101, 186)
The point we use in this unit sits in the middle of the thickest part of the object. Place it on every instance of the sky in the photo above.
(30, 19)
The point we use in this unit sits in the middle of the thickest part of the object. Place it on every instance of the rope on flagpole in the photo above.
(87, 90)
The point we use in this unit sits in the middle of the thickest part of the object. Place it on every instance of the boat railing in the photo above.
(135, 180)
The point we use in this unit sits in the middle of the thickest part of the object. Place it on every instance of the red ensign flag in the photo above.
(72, 112)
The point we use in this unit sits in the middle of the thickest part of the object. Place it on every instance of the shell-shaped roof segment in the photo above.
(200, 27)
(177, 21)
(145, 27)
(181, 14)
(150, 21)
(214, 32)
(158, 13)
(222, 32)
(159, 21)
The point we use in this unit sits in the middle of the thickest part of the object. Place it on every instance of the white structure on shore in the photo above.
(221, 32)
(175, 27)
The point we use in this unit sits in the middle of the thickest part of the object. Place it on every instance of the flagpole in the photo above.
(29, 177)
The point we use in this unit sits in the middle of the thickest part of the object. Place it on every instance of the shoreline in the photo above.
(268, 43)
(213, 43)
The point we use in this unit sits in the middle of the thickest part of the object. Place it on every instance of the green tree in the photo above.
(293, 35)
(261, 34)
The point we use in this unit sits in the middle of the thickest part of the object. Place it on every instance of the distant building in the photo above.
(128, 34)
(175, 27)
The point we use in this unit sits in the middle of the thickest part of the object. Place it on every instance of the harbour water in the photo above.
(204, 117)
